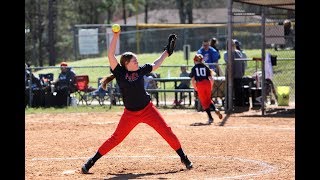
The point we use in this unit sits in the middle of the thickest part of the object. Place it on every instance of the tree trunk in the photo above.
(33, 31)
(146, 13)
(124, 11)
(40, 31)
(51, 30)
(109, 15)
(182, 14)
(189, 5)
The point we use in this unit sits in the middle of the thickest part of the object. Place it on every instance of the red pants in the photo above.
(129, 119)
(204, 93)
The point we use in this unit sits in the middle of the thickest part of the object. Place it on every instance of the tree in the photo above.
(185, 10)
(35, 21)
(124, 16)
(52, 16)
(110, 8)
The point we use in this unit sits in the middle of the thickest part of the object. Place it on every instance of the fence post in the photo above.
(263, 55)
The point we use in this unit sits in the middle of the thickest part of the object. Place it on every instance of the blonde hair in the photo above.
(212, 73)
(198, 58)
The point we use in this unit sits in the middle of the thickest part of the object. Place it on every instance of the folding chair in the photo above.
(100, 94)
(46, 79)
(82, 88)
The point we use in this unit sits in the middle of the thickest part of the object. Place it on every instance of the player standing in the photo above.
(137, 102)
(202, 82)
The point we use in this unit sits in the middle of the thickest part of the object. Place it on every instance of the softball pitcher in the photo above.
(137, 102)
(202, 82)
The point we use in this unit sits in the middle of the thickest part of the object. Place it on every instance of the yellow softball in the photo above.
(115, 28)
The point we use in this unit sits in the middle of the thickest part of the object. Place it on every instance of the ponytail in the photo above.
(105, 80)
(212, 73)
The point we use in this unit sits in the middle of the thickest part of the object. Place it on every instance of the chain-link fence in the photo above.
(274, 40)
(146, 40)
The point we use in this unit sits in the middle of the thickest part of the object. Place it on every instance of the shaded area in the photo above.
(139, 175)
(275, 112)
(224, 120)
(200, 124)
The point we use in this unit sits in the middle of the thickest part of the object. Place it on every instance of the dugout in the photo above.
(267, 13)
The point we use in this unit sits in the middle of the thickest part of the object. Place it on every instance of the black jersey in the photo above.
(131, 84)
(200, 72)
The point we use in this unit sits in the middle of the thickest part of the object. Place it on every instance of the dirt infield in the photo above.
(240, 146)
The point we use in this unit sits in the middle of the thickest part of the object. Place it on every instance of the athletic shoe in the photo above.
(186, 162)
(210, 121)
(219, 114)
(85, 168)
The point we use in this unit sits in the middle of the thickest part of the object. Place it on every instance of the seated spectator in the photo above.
(35, 81)
(33, 85)
(64, 85)
(185, 84)
(150, 83)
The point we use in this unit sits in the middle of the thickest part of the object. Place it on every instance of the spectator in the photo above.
(33, 85)
(214, 43)
(150, 83)
(238, 66)
(244, 55)
(210, 55)
(288, 34)
(184, 84)
(28, 75)
(64, 85)
(238, 72)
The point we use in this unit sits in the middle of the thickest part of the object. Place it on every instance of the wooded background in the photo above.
(48, 24)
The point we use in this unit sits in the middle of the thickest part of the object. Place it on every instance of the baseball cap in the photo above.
(63, 64)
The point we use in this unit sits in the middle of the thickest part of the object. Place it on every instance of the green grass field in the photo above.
(74, 109)
(286, 68)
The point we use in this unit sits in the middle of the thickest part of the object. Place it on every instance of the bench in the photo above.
(169, 90)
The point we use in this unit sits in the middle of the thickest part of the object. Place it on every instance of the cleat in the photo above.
(85, 168)
(210, 121)
(186, 162)
(219, 114)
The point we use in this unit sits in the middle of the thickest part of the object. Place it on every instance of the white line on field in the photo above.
(267, 168)
(258, 127)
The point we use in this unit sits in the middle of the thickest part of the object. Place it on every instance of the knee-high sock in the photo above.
(180, 153)
(209, 113)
